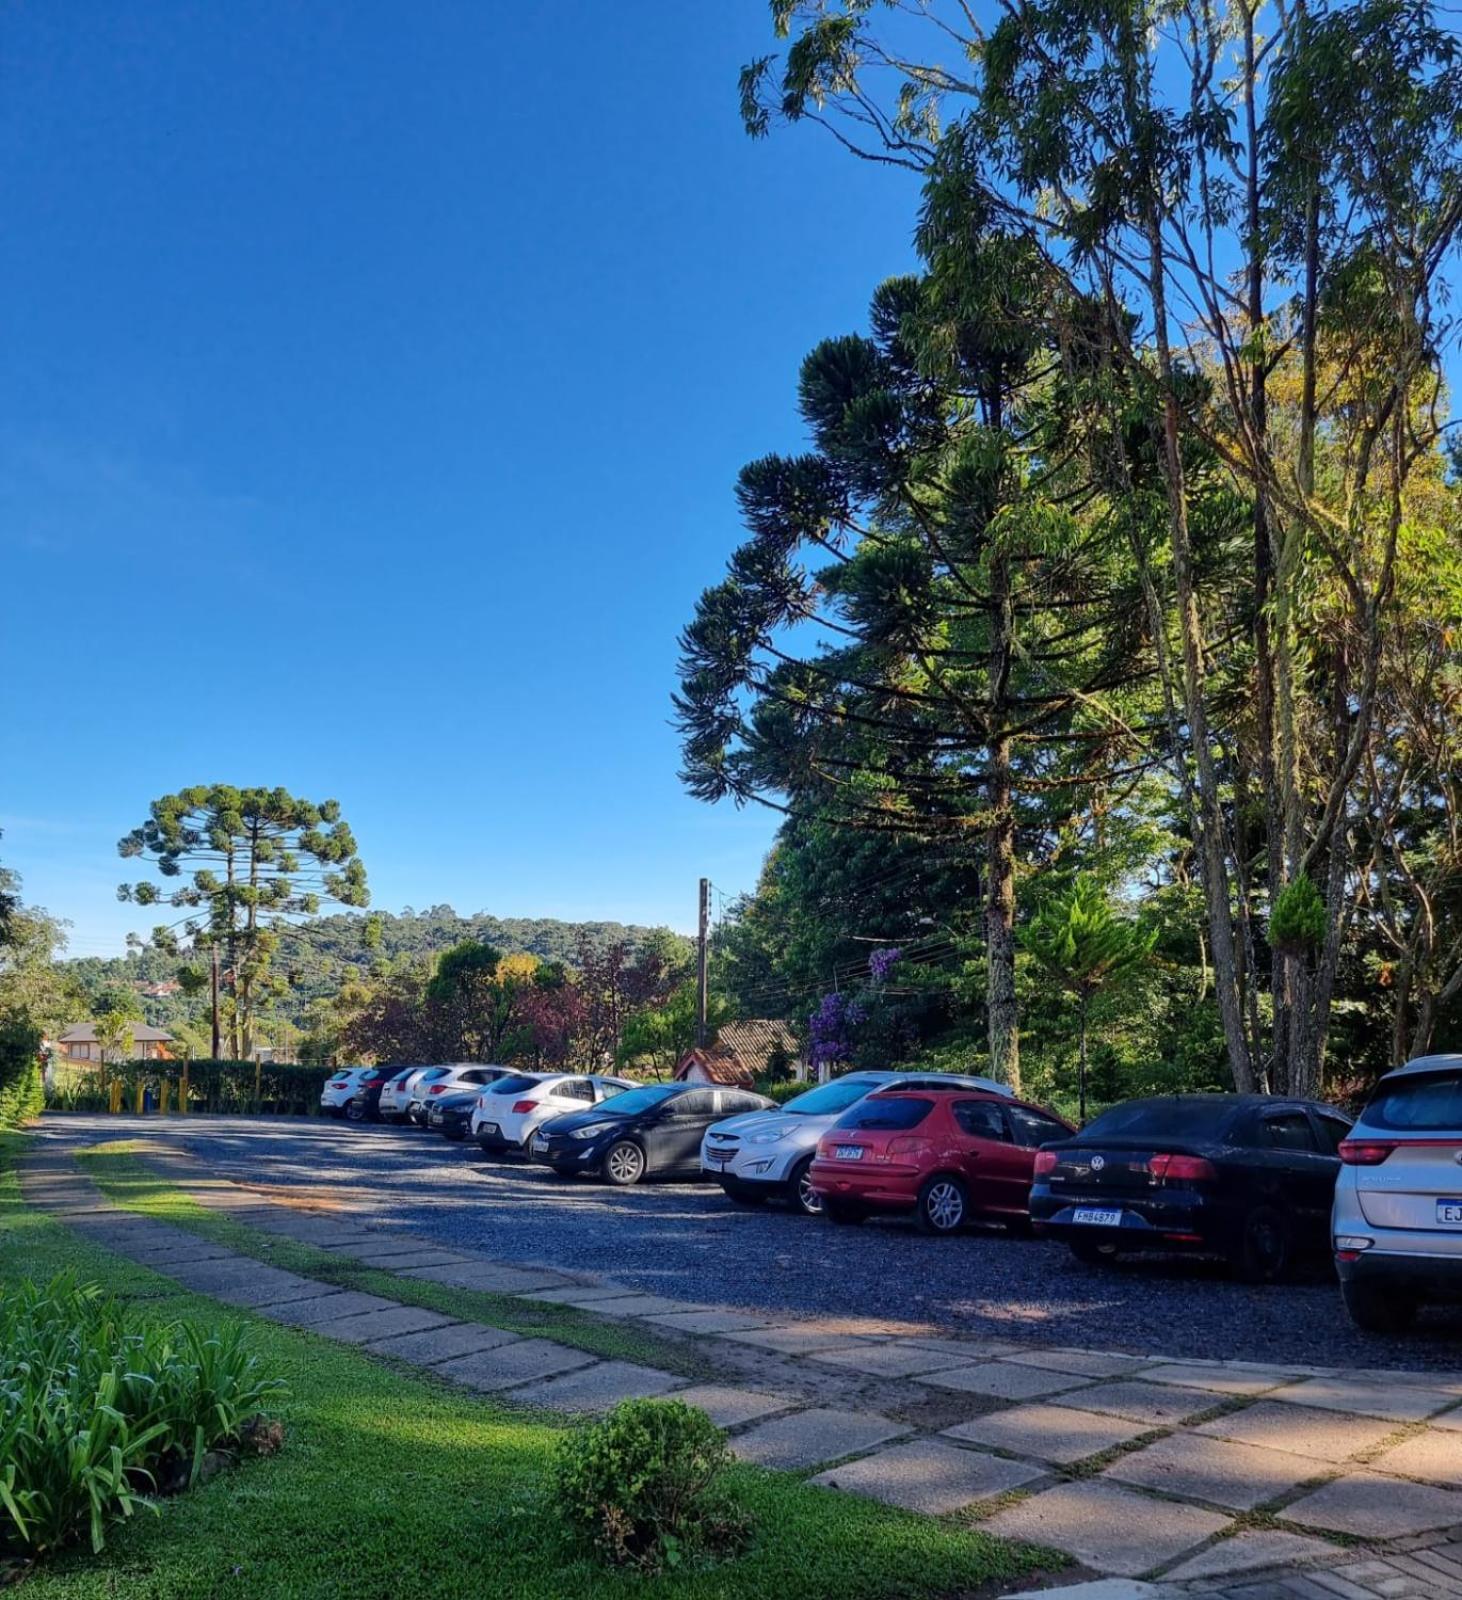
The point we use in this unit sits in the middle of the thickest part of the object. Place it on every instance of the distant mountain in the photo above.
(322, 953)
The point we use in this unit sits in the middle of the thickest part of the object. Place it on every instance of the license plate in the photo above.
(1449, 1213)
(540, 1144)
(489, 1128)
(1096, 1217)
(848, 1152)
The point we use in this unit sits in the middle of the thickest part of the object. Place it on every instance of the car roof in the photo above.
(1447, 1061)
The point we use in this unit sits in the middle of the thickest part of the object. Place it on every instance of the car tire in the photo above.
(843, 1214)
(802, 1197)
(1377, 1309)
(943, 1206)
(1092, 1253)
(1264, 1251)
(355, 1111)
(624, 1164)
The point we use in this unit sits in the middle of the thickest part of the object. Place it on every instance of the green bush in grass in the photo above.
(96, 1413)
(641, 1486)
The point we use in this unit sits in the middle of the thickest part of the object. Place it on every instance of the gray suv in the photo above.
(1397, 1222)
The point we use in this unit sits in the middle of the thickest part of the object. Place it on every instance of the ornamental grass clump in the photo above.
(642, 1486)
(97, 1412)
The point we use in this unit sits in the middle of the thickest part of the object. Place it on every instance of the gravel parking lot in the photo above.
(687, 1241)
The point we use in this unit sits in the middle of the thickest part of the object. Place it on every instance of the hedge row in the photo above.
(221, 1086)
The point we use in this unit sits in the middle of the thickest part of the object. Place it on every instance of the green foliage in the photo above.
(657, 1036)
(640, 1486)
(21, 1095)
(95, 1410)
(1081, 942)
(1298, 923)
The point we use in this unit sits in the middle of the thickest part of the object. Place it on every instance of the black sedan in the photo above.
(451, 1115)
(1247, 1177)
(653, 1130)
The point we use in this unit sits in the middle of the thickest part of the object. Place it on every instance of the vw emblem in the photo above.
(1098, 1162)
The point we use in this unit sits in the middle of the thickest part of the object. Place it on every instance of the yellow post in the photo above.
(164, 1094)
(116, 1096)
(140, 1098)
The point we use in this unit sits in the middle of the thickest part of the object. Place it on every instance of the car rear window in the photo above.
(515, 1083)
(899, 1111)
(1426, 1103)
(829, 1098)
(1186, 1118)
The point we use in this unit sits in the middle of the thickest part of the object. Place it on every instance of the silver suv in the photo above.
(1397, 1222)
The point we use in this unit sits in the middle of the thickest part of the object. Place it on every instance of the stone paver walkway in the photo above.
(1167, 1478)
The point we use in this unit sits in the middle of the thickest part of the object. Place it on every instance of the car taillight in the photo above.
(1045, 1162)
(1364, 1152)
(436, 1088)
(1181, 1169)
(524, 1105)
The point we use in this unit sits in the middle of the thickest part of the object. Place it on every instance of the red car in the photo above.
(946, 1155)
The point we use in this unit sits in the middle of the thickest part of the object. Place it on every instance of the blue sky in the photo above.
(375, 380)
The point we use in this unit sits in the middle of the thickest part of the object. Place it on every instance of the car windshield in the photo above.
(900, 1111)
(830, 1098)
(1429, 1102)
(514, 1083)
(1187, 1117)
(633, 1101)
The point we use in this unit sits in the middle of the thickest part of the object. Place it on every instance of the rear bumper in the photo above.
(1428, 1277)
(879, 1191)
(1176, 1220)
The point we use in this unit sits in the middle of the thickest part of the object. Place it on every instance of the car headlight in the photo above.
(592, 1131)
(769, 1136)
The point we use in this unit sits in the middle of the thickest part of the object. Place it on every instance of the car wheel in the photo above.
(1378, 1310)
(944, 1205)
(624, 1164)
(843, 1214)
(800, 1192)
(355, 1111)
(1092, 1253)
(1264, 1251)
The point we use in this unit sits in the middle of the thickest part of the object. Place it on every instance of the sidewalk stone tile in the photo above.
(643, 1305)
(708, 1321)
(1003, 1381)
(370, 1325)
(1237, 1476)
(519, 1362)
(891, 1360)
(729, 1408)
(1433, 1455)
(1049, 1432)
(1251, 1552)
(1325, 1435)
(796, 1341)
(598, 1387)
(178, 1254)
(976, 1348)
(1107, 1589)
(327, 1308)
(807, 1438)
(1448, 1419)
(1110, 1529)
(1221, 1380)
(1159, 1405)
(392, 1256)
(484, 1275)
(245, 1282)
(1376, 1507)
(1084, 1363)
(927, 1476)
(431, 1345)
(1399, 1402)
(575, 1294)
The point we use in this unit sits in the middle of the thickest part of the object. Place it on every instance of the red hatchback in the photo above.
(947, 1155)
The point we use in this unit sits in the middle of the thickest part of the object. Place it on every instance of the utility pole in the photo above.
(702, 956)
(216, 1035)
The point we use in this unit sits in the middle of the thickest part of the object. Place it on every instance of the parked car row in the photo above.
(1259, 1180)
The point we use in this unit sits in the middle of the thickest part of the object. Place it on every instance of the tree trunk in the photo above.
(1081, 1059)
(1002, 1015)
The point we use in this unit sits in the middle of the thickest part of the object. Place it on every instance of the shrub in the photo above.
(640, 1486)
(95, 1414)
(21, 1092)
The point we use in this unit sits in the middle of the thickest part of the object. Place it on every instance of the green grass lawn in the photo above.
(395, 1486)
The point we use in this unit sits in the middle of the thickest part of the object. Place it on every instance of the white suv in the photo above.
(1397, 1221)
(509, 1110)
(762, 1154)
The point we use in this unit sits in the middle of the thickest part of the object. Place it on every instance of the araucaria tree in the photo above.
(251, 862)
(1255, 210)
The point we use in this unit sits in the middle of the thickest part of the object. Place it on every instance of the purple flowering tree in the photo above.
(831, 1031)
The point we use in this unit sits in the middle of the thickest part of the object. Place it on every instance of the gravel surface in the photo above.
(685, 1240)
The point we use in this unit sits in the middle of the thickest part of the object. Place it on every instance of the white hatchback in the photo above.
(508, 1111)
(339, 1087)
(1397, 1219)
(437, 1081)
(395, 1094)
